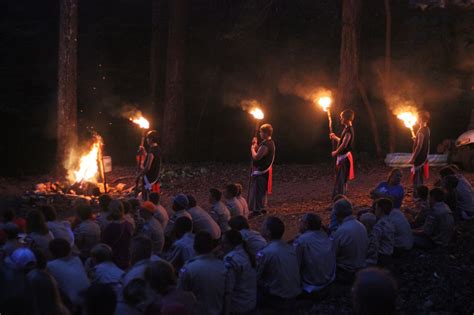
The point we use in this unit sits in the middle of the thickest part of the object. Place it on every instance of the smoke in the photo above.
(130, 111)
(309, 87)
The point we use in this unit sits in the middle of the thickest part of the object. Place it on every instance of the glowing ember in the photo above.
(409, 119)
(325, 102)
(88, 167)
(141, 121)
(257, 113)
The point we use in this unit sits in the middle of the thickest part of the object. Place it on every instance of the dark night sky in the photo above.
(235, 50)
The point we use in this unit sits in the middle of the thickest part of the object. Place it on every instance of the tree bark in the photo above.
(349, 67)
(386, 83)
(372, 119)
(174, 111)
(67, 81)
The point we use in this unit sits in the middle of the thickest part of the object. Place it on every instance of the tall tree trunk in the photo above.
(386, 83)
(349, 67)
(67, 80)
(372, 119)
(155, 13)
(174, 112)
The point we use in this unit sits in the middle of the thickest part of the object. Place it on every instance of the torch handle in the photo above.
(412, 133)
(330, 121)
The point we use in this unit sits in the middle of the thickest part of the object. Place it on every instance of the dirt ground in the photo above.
(436, 282)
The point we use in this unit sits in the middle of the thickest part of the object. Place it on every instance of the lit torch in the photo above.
(258, 115)
(144, 125)
(409, 119)
(325, 103)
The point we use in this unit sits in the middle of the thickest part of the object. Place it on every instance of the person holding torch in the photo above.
(343, 153)
(152, 165)
(421, 149)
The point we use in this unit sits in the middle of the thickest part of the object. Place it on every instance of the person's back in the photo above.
(439, 224)
(154, 231)
(221, 215)
(403, 233)
(351, 242)
(255, 241)
(464, 197)
(162, 215)
(181, 251)
(234, 206)
(104, 269)
(61, 229)
(317, 259)
(141, 256)
(202, 221)
(245, 206)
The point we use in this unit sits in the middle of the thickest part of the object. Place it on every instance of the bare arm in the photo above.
(342, 145)
(147, 166)
(257, 155)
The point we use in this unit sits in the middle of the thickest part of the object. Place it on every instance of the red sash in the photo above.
(426, 171)
(156, 187)
(351, 167)
(270, 181)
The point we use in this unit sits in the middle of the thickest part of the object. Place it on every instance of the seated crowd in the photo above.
(137, 257)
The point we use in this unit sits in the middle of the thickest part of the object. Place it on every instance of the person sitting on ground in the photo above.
(45, 294)
(391, 189)
(421, 207)
(162, 280)
(99, 299)
(374, 292)
(180, 204)
(10, 217)
(103, 269)
(68, 271)
(403, 234)
(242, 277)
(118, 235)
(39, 235)
(242, 200)
(202, 221)
(235, 207)
(384, 232)
(103, 216)
(87, 233)
(12, 241)
(350, 241)
(152, 227)
(439, 225)
(369, 219)
(141, 256)
(135, 298)
(278, 274)
(315, 253)
(333, 224)
(461, 192)
(205, 276)
(59, 229)
(183, 248)
(161, 214)
(128, 214)
(135, 212)
(219, 211)
(255, 241)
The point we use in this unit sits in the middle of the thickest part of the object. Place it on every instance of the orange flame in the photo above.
(257, 113)
(409, 119)
(141, 121)
(325, 102)
(88, 167)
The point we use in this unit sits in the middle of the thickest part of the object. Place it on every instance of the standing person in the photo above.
(421, 149)
(152, 165)
(343, 153)
(263, 156)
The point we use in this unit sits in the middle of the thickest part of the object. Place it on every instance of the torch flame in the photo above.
(88, 168)
(408, 118)
(325, 102)
(257, 113)
(141, 121)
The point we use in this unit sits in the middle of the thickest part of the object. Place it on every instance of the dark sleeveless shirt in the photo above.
(425, 146)
(154, 172)
(265, 162)
(348, 148)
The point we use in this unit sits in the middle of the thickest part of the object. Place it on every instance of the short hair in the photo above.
(100, 299)
(104, 201)
(153, 136)
(135, 291)
(160, 276)
(422, 191)
(116, 210)
(84, 212)
(374, 292)
(343, 208)
(313, 221)
(142, 248)
(446, 171)
(215, 193)
(437, 194)
(450, 182)
(102, 252)
(191, 201)
(232, 190)
(49, 212)
(239, 188)
(182, 226)
(59, 248)
(267, 129)
(392, 172)
(424, 116)
(233, 237)
(275, 227)
(239, 222)
(348, 114)
(384, 204)
(154, 197)
(203, 243)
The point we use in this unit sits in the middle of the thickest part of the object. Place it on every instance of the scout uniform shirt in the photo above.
(182, 250)
(202, 221)
(153, 230)
(384, 232)
(254, 240)
(351, 242)
(172, 221)
(221, 215)
(439, 224)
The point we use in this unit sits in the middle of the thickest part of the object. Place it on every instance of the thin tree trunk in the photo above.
(372, 119)
(349, 67)
(174, 112)
(67, 81)
(155, 12)
(386, 83)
